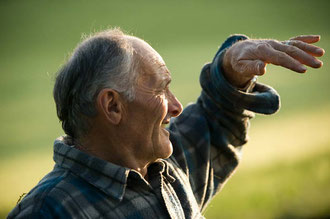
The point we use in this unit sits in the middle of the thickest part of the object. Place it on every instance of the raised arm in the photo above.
(208, 135)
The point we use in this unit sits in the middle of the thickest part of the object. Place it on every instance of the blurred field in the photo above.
(283, 190)
(285, 167)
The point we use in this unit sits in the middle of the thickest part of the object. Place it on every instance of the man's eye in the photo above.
(163, 91)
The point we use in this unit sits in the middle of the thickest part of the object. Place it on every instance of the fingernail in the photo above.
(303, 68)
(261, 68)
(317, 63)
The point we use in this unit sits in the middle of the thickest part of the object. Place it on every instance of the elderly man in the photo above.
(118, 160)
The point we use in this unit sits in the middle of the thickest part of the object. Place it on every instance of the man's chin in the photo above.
(166, 148)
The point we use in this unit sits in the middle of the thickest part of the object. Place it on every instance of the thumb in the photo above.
(251, 67)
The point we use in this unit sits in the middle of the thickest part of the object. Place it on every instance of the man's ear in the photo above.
(109, 105)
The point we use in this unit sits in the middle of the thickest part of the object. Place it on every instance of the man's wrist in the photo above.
(250, 85)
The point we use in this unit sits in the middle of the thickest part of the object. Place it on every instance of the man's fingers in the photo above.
(311, 49)
(307, 38)
(250, 57)
(301, 54)
(273, 56)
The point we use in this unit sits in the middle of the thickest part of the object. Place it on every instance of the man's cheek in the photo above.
(156, 103)
(161, 107)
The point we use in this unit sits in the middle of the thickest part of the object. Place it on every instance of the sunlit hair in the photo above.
(103, 60)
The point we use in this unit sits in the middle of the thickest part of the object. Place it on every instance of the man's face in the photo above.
(153, 106)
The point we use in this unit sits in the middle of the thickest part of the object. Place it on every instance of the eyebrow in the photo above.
(168, 78)
(166, 82)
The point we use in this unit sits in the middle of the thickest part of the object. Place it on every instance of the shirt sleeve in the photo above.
(207, 137)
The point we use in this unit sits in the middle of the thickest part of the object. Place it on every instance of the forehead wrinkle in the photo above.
(152, 66)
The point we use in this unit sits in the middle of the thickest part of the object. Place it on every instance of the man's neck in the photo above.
(112, 151)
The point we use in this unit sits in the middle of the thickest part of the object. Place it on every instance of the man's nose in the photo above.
(174, 106)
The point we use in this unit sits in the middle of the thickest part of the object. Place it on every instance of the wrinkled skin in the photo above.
(153, 106)
(248, 58)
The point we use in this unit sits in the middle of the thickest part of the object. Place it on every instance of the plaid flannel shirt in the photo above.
(206, 138)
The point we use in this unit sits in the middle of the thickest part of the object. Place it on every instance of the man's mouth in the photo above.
(165, 122)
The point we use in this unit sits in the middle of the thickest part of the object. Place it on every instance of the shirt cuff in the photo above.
(263, 99)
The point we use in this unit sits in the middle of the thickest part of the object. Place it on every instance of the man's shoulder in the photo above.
(48, 196)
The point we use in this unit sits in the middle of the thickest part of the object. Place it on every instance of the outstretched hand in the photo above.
(248, 58)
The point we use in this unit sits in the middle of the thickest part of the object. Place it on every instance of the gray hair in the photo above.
(104, 60)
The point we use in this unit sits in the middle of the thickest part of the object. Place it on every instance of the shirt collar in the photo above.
(161, 167)
(106, 176)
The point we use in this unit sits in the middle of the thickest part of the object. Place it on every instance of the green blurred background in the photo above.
(285, 168)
